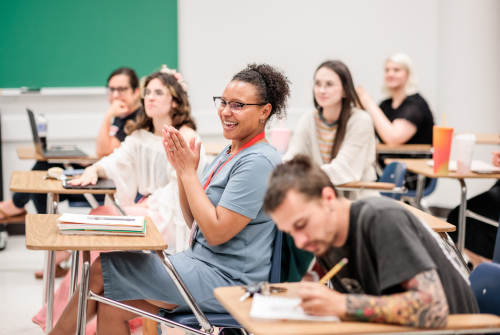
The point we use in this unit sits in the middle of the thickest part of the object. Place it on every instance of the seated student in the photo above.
(140, 165)
(337, 135)
(403, 118)
(397, 272)
(480, 237)
(232, 237)
(123, 88)
(124, 95)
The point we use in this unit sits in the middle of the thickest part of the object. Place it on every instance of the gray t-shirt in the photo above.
(240, 186)
(388, 245)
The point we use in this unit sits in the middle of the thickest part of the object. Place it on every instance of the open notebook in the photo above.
(280, 308)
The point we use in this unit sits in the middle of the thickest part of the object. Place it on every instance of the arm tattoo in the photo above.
(424, 304)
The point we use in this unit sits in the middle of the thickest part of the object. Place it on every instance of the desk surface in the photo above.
(30, 153)
(403, 148)
(33, 182)
(42, 233)
(438, 225)
(229, 298)
(487, 138)
(420, 166)
(369, 185)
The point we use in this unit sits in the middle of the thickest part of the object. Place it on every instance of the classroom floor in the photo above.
(21, 293)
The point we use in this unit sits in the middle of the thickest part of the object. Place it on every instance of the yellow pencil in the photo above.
(333, 271)
(330, 274)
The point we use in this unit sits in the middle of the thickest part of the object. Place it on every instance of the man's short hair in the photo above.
(299, 174)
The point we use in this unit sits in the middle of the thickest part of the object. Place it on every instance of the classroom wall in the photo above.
(217, 39)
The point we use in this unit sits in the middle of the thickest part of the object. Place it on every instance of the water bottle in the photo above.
(41, 125)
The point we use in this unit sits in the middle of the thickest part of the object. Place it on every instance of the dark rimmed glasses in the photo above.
(120, 90)
(235, 107)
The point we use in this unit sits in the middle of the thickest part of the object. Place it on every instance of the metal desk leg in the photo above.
(74, 272)
(49, 288)
(420, 190)
(50, 267)
(461, 217)
(117, 204)
(81, 320)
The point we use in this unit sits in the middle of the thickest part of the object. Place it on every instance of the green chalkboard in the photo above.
(61, 43)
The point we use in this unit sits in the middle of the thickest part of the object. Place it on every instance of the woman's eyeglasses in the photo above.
(120, 90)
(158, 93)
(235, 107)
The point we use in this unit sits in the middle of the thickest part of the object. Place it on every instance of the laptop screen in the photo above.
(34, 131)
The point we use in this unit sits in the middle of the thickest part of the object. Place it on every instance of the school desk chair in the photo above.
(411, 195)
(191, 323)
(485, 282)
(394, 173)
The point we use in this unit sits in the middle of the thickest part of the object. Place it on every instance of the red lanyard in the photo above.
(249, 144)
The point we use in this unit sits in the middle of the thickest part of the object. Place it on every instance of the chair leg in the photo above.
(140, 312)
(169, 267)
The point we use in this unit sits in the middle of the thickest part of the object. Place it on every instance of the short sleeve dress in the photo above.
(240, 186)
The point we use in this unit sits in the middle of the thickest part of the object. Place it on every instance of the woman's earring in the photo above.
(262, 120)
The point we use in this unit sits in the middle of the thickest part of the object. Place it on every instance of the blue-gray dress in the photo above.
(240, 186)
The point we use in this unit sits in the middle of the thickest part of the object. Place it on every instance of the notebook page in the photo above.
(280, 308)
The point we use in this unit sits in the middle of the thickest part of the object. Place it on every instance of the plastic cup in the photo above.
(464, 146)
(441, 141)
(280, 139)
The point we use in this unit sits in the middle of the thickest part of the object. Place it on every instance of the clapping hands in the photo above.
(184, 158)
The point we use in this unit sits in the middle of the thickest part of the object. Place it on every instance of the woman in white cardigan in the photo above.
(336, 135)
(140, 165)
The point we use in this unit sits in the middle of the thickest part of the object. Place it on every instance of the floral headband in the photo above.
(177, 75)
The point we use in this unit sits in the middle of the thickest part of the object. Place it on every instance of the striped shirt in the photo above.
(326, 135)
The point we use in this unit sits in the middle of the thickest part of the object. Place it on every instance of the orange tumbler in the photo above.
(442, 137)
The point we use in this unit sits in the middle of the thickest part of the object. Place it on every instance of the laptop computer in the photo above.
(56, 151)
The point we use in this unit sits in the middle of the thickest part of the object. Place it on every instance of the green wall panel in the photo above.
(60, 43)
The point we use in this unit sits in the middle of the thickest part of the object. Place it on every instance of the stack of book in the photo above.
(79, 224)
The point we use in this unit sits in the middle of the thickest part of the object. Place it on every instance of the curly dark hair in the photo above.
(180, 113)
(272, 86)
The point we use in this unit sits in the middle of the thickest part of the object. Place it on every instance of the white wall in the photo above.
(469, 80)
(455, 46)
(218, 38)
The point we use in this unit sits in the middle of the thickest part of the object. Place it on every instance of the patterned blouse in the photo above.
(326, 136)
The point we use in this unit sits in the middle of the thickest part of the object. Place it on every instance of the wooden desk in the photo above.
(423, 169)
(30, 153)
(214, 148)
(368, 185)
(487, 138)
(404, 148)
(229, 298)
(438, 225)
(33, 182)
(42, 233)
(374, 186)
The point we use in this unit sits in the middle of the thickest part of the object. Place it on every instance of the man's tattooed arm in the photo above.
(424, 304)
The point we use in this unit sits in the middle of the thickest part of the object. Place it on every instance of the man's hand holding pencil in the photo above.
(317, 299)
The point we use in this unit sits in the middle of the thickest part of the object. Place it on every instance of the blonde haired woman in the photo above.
(404, 117)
